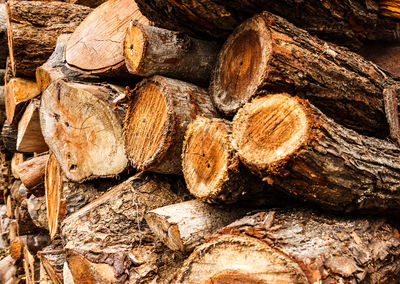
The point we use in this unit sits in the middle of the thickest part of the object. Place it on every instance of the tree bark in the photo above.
(345, 22)
(31, 267)
(297, 246)
(184, 226)
(52, 259)
(100, 236)
(80, 118)
(9, 136)
(154, 51)
(33, 28)
(268, 54)
(37, 211)
(29, 137)
(18, 93)
(156, 122)
(31, 172)
(3, 39)
(297, 148)
(96, 46)
(2, 98)
(212, 170)
(56, 68)
(89, 3)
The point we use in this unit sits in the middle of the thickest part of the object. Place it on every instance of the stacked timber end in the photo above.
(201, 141)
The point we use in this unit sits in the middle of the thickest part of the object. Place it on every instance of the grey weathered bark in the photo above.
(156, 121)
(151, 51)
(80, 118)
(33, 28)
(100, 236)
(297, 148)
(268, 54)
(297, 246)
(184, 226)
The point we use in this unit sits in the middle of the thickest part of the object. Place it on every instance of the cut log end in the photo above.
(241, 66)
(134, 47)
(74, 118)
(148, 127)
(206, 152)
(226, 260)
(269, 130)
(53, 188)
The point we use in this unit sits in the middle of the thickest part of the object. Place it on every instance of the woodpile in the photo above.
(154, 141)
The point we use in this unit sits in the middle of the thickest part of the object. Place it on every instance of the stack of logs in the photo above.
(156, 141)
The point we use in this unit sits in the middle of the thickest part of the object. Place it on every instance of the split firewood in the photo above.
(3, 40)
(64, 198)
(31, 267)
(80, 118)
(18, 93)
(345, 22)
(385, 55)
(13, 230)
(33, 242)
(96, 46)
(31, 172)
(7, 269)
(17, 159)
(37, 211)
(33, 28)
(89, 3)
(67, 274)
(282, 57)
(108, 241)
(150, 50)
(55, 67)
(2, 97)
(9, 136)
(297, 246)
(156, 121)
(29, 137)
(24, 219)
(52, 258)
(184, 226)
(297, 148)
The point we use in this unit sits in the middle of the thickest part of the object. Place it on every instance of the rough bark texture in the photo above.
(150, 50)
(108, 241)
(18, 93)
(80, 118)
(37, 210)
(280, 57)
(2, 98)
(9, 136)
(344, 22)
(3, 39)
(211, 166)
(385, 55)
(156, 122)
(89, 3)
(55, 67)
(297, 246)
(25, 222)
(52, 259)
(32, 171)
(33, 28)
(297, 148)
(29, 137)
(96, 46)
(184, 226)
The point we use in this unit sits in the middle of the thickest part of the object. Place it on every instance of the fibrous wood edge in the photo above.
(156, 120)
(298, 149)
(76, 117)
(31, 172)
(184, 226)
(151, 50)
(52, 258)
(96, 46)
(316, 247)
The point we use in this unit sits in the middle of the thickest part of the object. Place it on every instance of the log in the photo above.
(280, 57)
(184, 226)
(154, 142)
(31, 172)
(64, 198)
(3, 39)
(89, 3)
(33, 242)
(80, 118)
(7, 269)
(56, 68)
(211, 166)
(31, 267)
(385, 55)
(18, 93)
(9, 136)
(33, 28)
(17, 159)
(37, 211)
(67, 274)
(96, 46)
(24, 219)
(345, 22)
(108, 241)
(297, 246)
(298, 149)
(29, 137)
(154, 51)
(52, 259)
